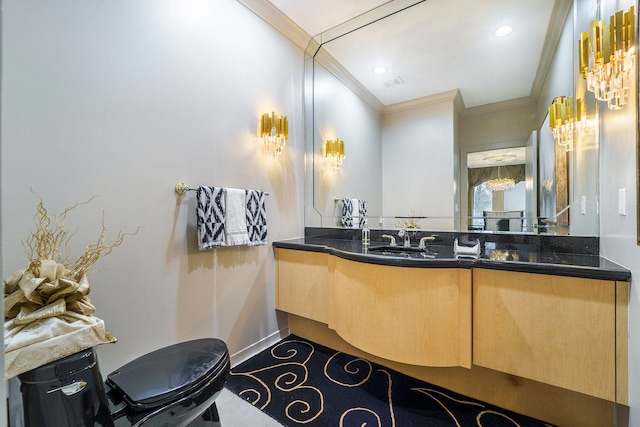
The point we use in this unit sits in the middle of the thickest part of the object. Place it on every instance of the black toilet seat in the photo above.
(170, 373)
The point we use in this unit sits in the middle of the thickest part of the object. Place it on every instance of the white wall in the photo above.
(515, 199)
(560, 76)
(583, 161)
(123, 100)
(418, 148)
(618, 162)
(618, 232)
(340, 113)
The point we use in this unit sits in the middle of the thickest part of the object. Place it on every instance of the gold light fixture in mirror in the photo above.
(562, 122)
(334, 152)
(274, 131)
(500, 183)
(607, 56)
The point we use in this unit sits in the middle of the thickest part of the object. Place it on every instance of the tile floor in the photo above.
(235, 412)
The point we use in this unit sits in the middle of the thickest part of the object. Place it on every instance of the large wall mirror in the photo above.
(458, 113)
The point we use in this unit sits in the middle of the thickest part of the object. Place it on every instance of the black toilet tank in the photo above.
(66, 392)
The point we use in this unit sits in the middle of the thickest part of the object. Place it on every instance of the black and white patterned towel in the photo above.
(256, 217)
(210, 217)
(347, 213)
(362, 206)
(354, 213)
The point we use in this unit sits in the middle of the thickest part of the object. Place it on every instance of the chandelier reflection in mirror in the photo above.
(334, 152)
(607, 55)
(500, 184)
(274, 131)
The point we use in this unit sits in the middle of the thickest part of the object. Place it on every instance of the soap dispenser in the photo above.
(366, 235)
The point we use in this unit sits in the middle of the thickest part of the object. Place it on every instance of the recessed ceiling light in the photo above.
(503, 31)
(379, 70)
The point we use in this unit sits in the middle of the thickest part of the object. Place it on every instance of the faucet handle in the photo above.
(423, 241)
(393, 239)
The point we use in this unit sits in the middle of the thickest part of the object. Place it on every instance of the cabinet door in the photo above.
(553, 329)
(302, 280)
(418, 316)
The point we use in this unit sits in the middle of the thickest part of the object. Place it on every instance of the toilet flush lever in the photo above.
(70, 389)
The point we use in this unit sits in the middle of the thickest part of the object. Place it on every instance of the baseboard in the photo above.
(257, 347)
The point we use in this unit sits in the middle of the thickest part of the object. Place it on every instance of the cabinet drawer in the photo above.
(302, 280)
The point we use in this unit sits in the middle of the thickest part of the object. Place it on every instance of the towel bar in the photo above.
(181, 188)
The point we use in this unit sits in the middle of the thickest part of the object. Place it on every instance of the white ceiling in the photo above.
(436, 46)
(317, 16)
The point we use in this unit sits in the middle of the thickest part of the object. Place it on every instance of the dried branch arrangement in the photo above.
(50, 239)
(408, 223)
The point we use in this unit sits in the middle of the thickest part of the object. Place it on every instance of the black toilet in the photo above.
(172, 386)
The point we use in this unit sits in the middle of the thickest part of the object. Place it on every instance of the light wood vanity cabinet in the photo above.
(411, 315)
(302, 279)
(565, 331)
(418, 316)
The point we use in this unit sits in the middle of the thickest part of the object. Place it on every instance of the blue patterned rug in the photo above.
(301, 383)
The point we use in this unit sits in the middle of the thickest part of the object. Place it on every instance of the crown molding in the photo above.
(448, 96)
(334, 67)
(561, 9)
(289, 29)
(499, 106)
(278, 20)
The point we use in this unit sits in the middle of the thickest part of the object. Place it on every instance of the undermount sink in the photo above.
(394, 249)
(401, 251)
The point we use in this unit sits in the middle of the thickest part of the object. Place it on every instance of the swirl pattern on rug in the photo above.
(301, 383)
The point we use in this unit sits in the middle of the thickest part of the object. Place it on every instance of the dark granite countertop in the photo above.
(522, 256)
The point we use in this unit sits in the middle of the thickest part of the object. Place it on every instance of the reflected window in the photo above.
(482, 201)
(481, 198)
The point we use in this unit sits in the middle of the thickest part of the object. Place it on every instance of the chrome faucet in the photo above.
(407, 239)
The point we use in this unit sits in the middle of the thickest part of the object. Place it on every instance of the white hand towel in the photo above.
(236, 217)
(355, 205)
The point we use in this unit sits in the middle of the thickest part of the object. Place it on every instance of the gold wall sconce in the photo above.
(562, 122)
(334, 152)
(607, 55)
(274, 131)
(568, 120)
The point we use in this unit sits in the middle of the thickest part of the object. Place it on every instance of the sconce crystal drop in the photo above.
(274, 131)
(334, 152)
(562, 122)
(607, 56)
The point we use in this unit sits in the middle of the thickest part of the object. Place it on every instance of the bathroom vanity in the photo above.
(529, 326)
(357, 300)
